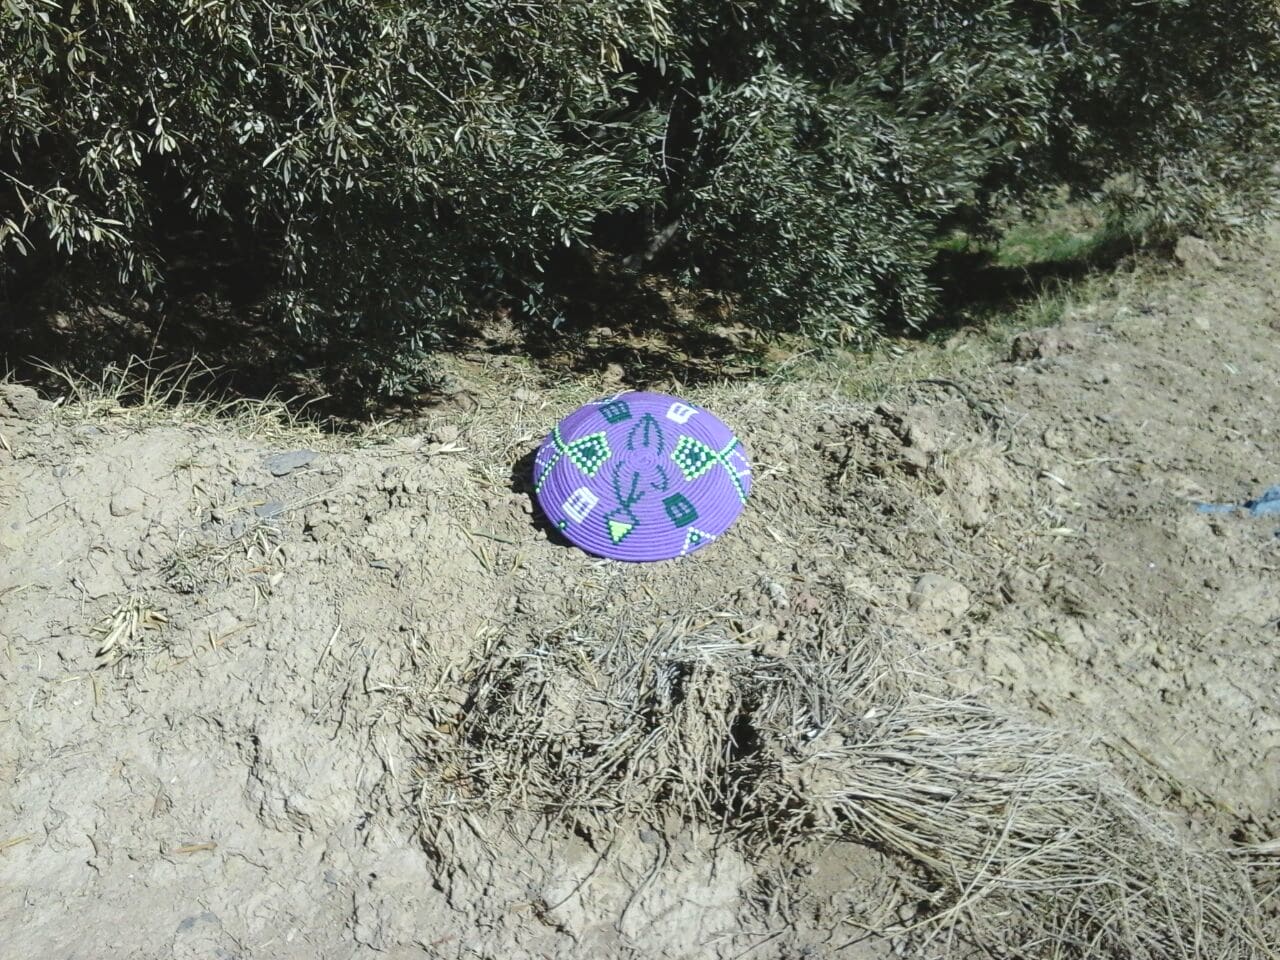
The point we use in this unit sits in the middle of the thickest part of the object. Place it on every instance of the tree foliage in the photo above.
(387, 165)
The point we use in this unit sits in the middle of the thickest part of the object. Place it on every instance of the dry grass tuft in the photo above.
(1030, 847)
(200, 560)
(145, 393)
(129, 630)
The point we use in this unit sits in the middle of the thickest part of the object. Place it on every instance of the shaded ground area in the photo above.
(278, 750)
(639, 329)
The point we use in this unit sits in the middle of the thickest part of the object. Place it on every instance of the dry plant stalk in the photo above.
(141, 391)
(123, 632)
(1031, 847)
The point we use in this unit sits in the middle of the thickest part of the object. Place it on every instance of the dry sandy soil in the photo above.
(358, 705)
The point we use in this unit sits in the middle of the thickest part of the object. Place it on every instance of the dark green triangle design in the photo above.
(694, 538)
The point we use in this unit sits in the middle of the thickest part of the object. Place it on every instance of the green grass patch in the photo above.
(1038, 243)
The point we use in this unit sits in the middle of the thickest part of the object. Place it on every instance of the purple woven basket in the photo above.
(641, 476)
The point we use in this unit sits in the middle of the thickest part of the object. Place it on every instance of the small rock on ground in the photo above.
(282, 464)
(1039, 344)
(21, 402)
(939, 597)
(126, 501)
(445, 433)
(1196, 255)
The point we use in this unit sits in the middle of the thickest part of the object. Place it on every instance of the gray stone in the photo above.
(21, 402)
(1024, 347)
(445, 433)
(777, 594)
(192, 920)
(1196, 255)
(126, 501)
(282, 464)
(915, 460)
(939, 597)
(1040, 344)
(765, 632)
(775, 649)
(272, 508)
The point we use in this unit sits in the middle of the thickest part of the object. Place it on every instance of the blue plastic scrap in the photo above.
(1264, 506)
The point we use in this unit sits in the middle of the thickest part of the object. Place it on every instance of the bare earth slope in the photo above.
(262, 775)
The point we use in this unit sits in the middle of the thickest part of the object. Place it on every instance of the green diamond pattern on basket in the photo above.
(589, 453)
(693, 457)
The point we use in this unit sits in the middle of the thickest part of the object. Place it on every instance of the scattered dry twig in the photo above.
(123, 632)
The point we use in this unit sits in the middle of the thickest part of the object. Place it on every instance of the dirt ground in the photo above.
(263, 762)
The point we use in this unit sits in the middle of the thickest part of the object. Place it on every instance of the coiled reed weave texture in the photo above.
(641, 476)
